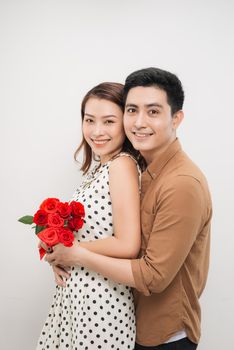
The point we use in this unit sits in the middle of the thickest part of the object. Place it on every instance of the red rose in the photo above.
(40, 218)
(64, 210)
(50, 205)
(66, 237)
(75, 223)
(55, 220)
(49, 236)
(42, 252)
(77, 209)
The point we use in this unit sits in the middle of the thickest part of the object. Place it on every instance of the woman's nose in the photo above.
(98, 130)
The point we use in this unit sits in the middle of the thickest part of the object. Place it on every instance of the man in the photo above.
(171, 270)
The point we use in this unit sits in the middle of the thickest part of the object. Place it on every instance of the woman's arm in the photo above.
(124, 191)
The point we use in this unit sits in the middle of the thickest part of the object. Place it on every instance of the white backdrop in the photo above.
(51, 53)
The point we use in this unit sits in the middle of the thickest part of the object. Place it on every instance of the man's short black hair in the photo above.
(161, 79)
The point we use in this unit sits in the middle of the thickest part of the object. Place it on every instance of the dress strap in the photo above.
(123, 154)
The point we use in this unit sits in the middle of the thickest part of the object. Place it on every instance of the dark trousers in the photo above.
(182, 344)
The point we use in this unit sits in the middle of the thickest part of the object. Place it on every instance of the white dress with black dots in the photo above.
(91, 312)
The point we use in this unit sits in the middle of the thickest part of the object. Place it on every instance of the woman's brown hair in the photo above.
(112, 92)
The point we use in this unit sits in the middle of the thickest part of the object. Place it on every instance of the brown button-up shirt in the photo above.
(172, 267)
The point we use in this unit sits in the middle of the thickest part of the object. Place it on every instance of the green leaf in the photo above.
(28, 219)
(39, 229)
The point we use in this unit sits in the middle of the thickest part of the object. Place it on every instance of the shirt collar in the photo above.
(155, 167)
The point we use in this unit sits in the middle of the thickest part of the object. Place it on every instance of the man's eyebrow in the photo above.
(131, 105)
(155, 104)
(104, 116)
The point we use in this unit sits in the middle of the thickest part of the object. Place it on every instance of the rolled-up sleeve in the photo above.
(177, 222)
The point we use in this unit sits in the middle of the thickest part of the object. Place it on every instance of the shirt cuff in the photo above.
(138, 277)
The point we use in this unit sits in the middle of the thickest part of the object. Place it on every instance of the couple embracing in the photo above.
(133, 277)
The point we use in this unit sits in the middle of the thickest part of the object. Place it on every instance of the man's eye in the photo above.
(131, 110)
(153, 112)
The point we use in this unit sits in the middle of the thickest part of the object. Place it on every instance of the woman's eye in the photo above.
(88, 120)
(109, 122)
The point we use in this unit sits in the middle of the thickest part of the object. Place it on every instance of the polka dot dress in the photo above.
(91, 312)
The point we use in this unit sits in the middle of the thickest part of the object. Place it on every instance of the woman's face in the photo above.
(103, 127)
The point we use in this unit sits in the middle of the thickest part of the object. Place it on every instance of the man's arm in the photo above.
(119, 270)
(179, 219)
(175, 229)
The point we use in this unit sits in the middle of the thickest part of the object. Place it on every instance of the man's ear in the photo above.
(177, 119)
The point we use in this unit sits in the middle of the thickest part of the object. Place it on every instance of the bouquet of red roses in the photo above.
(55, 222)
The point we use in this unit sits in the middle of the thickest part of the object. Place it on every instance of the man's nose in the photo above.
(140, 121)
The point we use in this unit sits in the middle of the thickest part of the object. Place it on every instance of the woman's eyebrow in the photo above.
(104, 116)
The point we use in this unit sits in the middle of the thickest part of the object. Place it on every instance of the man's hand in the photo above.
(63, 256)
(59, 274)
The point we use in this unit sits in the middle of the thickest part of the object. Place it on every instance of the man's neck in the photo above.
(151, 156)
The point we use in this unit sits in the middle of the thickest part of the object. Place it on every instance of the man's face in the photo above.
(148, 122)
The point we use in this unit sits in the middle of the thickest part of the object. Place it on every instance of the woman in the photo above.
(89, 311)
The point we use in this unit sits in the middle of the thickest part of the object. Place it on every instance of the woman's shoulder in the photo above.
(124, 162)
(123, 156)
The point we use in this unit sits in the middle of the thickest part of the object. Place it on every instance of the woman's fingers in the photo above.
(44, 246)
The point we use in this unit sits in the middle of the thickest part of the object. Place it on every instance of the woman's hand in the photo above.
(64, 256)
(60, 273)
(44, 246)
